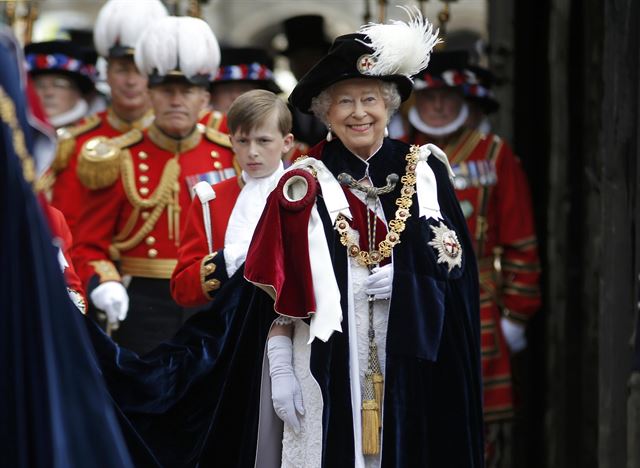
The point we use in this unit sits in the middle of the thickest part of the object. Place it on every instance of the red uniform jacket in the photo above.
(138, 217)
(62, 235)
(494, 195)
(67, 193)
(191, 284)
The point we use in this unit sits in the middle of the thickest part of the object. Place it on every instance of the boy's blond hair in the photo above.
(250, 110)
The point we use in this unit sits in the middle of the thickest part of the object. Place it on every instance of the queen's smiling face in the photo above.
(358, 115)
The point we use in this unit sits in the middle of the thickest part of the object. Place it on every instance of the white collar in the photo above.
(258, 181)
(75, 113)
(452, 127)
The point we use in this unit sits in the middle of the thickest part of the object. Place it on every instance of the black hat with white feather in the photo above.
(389, 52)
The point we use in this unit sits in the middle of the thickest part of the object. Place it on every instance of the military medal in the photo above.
(446, 242)
(467, 208)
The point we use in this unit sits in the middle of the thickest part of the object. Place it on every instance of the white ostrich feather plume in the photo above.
(401, 48)
(178, 42)
(122, 21)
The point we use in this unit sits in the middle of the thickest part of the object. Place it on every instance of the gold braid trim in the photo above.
(8, 116)
(396, 225)
(216, 136)
(215, 119)
(45, 182)
(161, 198)
(67, 141)
(63, 154)
(106, 270)
(129, 225)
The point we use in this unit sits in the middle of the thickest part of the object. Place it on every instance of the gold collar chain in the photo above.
(396, 225)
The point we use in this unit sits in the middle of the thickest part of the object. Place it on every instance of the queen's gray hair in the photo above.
(322, 102)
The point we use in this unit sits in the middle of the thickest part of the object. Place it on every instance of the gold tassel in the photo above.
(378, 385)
(370, 419)
(376, 374)
(370, 428)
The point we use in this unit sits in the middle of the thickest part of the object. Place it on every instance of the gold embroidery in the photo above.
(173, 145)
(105, 270)
(123, 126)
(207, 267)
(67, 141)
(8, 115)
(218, 137)
(99, 161)
(160, 268)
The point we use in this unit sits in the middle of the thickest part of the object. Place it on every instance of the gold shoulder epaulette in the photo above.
(216, 136)
(215, 119)
(99, 161)
(67, 140)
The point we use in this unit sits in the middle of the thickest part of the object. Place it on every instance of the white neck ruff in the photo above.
(75, 113)
(245, 215)
(452, 127)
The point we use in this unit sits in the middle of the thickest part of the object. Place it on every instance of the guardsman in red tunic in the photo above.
(141, 186)
(221, 219)
(494, 195)
(117, 29)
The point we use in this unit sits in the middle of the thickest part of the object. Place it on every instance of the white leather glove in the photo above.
(285, 389)
(112, 298)
(380, 282)
(514, 335)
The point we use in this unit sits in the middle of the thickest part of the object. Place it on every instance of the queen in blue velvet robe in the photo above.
(427, 334)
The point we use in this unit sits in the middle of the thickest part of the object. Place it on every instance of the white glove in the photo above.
(285, 389)
(380, 282)
(112, 298)
(514, 335)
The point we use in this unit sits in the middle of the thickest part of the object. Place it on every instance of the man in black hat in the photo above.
(494, 195)
(63, 75)
(241, 69)
(307, 44)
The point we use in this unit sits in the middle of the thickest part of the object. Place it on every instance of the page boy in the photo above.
(222, 218)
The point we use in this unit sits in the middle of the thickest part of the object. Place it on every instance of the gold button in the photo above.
(143, 155)
(143, 179)
(143, 167)
(150, 240)
(152, 253)
(212, 284)
(143, 191)
(144, 214)
(209, 268)
(217, 165)
(215, 154)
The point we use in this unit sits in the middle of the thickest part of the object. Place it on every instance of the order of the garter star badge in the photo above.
(447, 244)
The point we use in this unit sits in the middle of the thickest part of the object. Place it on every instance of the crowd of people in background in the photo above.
(377, 231)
